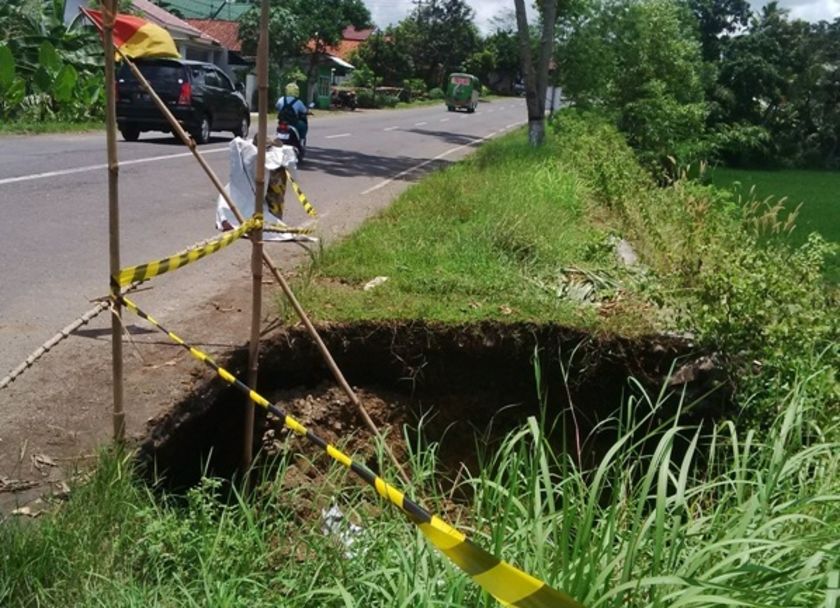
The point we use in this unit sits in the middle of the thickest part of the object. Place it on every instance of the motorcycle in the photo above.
(288, 135)
(341, 98)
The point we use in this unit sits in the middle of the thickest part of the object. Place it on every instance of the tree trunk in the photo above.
(536, 79)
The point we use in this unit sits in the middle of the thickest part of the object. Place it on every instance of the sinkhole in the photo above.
(468, 384)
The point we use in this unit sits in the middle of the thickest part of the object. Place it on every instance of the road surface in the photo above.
(53, 198)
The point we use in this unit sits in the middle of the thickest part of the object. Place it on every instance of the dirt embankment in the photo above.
(464, 382)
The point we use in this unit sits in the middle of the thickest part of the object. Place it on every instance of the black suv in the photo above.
(200, 95)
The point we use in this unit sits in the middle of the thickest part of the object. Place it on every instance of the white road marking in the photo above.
(444, 120)
(420, 124)
(338, 135)
(391, 129)
(384, 183)
(123, 163)
(490, 111)
(514, 124)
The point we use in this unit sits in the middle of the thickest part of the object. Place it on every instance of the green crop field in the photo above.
(817, 191)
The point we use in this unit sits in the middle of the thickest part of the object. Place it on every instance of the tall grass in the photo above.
(670, 516)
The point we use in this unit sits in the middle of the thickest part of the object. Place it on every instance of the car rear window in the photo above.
(155, 73)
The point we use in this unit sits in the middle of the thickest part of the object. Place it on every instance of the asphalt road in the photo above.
(54, 222)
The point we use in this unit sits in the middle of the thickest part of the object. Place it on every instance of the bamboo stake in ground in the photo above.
(256, 237)
(109, 14)
(178, 130)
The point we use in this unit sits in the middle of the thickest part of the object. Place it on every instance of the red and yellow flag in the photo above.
(136, 37)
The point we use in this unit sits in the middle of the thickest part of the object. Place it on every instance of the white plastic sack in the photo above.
(242, 186)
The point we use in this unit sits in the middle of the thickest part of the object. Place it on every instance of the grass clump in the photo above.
(669, 515)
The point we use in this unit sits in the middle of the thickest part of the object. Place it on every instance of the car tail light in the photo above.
(185, 98)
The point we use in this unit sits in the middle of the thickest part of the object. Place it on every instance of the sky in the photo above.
(386, 12)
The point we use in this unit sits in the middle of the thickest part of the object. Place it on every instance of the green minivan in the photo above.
(462, 91)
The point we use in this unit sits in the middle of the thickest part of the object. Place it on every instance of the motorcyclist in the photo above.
(293, 110)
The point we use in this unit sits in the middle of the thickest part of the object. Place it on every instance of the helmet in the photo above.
(292, 89)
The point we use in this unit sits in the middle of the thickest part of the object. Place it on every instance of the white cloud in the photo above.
(386, 12)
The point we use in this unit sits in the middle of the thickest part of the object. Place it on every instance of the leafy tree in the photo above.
(715, 20)
(499, 62)
(781, 77)
(441, 36)
(296, 24)
(387, 56)
(640, 62)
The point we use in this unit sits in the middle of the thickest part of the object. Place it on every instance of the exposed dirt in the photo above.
(467, 383)
(462, 380)
(61, 408)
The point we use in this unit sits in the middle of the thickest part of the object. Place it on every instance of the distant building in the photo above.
(329, 66)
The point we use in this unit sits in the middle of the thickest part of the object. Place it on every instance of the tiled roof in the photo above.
(351, 39)
(169, 21)
(226, 32)
(351, 33)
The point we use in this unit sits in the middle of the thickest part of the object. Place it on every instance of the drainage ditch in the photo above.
(467, 383)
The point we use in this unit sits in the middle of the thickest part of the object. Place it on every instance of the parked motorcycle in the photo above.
(343, 99)
(288, 135)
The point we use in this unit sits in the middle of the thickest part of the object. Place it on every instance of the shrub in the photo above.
(765, 307)
(387, 101)
(437, 93)
(760, 303)
(365, 98)
(416, 88)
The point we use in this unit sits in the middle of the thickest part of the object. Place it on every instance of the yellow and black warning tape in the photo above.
(144, 272)
(506, 583)
(288, 229)
(307, 206)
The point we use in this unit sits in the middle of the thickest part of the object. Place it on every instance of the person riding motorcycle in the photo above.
(293, 110)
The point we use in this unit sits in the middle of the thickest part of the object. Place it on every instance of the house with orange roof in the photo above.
(328, 66)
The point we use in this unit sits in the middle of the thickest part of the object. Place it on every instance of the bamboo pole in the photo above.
(178, 130)
(109, 13)
(256, 237)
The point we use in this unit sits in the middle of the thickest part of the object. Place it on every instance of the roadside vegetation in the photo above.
(50, 73)
(813, 193)
(604, 227)
(738, 511)
(516, 233)
(712, 517)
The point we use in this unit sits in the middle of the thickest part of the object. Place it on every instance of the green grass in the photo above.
(817, 191)
(671, 516)
(484, 239)
(733, 513)
(50, 126)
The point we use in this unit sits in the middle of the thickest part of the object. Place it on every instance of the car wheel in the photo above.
(243, 128)
(470, 109)
(450, 108)
(130, 133)
(202, 134)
